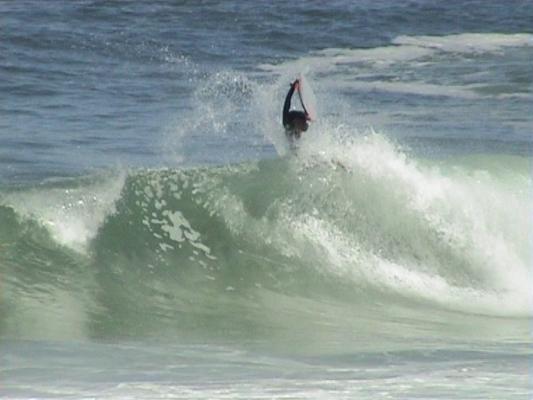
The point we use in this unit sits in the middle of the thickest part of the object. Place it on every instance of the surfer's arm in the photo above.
(287, 104)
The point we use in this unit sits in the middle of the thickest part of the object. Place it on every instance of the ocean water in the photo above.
(158, 239)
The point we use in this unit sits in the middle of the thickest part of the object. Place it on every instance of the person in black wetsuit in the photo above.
(295, 122)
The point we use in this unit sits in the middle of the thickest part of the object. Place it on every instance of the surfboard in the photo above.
(307, 98)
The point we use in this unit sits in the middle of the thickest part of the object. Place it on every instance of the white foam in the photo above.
(467, 43)
(333, 59)
(418, 88)
(72, 215)
(402, 49)
(478, 221)
(384, 68)
(410, 280)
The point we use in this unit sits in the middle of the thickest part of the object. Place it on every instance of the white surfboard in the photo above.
(307, 98)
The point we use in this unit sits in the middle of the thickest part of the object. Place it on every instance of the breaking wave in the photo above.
(357, 224)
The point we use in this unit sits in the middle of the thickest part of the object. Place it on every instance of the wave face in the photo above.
(357, 228)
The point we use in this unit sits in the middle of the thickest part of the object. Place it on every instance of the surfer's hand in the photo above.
(295, 84)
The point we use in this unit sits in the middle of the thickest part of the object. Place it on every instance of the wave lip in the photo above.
(71, 211)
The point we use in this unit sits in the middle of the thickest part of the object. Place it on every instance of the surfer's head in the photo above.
(298, 121)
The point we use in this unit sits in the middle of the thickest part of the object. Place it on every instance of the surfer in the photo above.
(295, 122)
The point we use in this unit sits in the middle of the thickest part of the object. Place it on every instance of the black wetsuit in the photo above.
(290, 116)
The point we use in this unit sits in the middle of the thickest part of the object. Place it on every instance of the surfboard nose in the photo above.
(307, 98)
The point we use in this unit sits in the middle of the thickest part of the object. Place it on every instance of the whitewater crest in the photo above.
(357, 213)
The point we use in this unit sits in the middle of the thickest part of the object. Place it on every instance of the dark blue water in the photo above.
(96, 84)
(159, 239)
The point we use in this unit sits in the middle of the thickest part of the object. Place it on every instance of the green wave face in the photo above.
(359, 239)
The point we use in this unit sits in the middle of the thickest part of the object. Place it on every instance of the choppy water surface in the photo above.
(158, 239)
